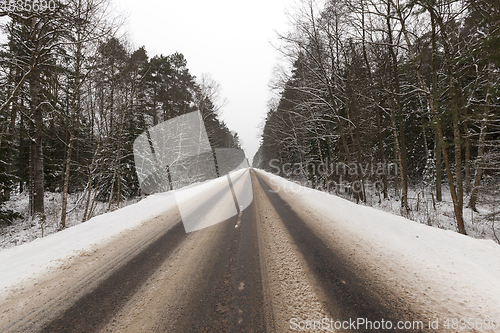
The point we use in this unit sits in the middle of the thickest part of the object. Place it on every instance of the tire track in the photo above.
(250, 273)
(290, 290)
(67, 284)
(228, 297)
(349, 294)
(93, 310)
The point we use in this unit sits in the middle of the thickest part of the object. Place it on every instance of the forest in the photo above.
(391, 99)
(74, 95)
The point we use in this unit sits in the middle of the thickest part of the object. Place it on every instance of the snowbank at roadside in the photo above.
(27, 229)
(28, 260)
(34, 258)
(440, 269)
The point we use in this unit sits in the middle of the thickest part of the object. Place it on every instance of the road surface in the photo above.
(268, 269)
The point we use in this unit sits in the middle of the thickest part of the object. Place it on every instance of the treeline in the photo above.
(73, 99)
(409, 83)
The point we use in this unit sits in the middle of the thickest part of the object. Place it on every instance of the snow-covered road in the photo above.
(294, 260)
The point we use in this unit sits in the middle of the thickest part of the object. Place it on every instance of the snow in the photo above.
(204, 214)
(31, 259)
(28, 229)
(34, 258)
(425, 209)
(458, 273)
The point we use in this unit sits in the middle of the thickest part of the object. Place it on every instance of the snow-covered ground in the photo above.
(40, 255)
(426, 210)
(456, 273)
(453, 273)
(480, 224)
(28, 229)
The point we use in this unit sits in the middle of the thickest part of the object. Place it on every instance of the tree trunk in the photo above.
(439, 168)
(437, 148)
(89, 183)
(36, 145)
(68, 168)
(22, 166)
(479, 168)
(93, 203)
(10, 136)
(112, 184)
(457, 140)
(382, 152)
(399, 109)
(467, 159)
(116, 172)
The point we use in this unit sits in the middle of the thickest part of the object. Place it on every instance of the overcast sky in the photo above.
(229, 39)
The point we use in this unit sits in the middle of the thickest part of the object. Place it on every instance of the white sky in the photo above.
(229, 39)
